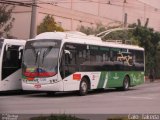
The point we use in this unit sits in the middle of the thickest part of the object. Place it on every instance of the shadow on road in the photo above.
(75, 93)
(16, 92)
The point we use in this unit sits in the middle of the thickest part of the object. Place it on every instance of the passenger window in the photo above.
(12, 59)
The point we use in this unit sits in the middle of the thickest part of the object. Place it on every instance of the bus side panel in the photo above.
(115, 79)
(10, 66)
(12, 82)
(72, 82)
(102, 79)
(110, 79)
(136, 78)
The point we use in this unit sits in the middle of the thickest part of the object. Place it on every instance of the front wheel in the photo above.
(126, 83)
(83, 89)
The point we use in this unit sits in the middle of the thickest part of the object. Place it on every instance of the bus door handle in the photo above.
(7, 80)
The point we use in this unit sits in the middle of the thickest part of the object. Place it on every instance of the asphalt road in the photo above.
(143, 99)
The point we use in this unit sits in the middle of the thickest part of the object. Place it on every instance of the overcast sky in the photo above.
(155, 3)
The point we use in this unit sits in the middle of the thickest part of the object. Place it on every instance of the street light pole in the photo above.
(33, 19)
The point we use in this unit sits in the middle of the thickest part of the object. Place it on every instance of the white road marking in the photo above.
(147, 98)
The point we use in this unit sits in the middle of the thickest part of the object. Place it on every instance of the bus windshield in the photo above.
(41, 58)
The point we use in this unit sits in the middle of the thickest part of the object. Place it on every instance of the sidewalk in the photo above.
(148, 81)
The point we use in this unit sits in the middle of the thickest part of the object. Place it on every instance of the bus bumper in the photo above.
(43, 87)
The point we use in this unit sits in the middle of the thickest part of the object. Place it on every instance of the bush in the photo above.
(57, 117)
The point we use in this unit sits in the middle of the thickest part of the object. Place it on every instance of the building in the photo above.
(71, 14)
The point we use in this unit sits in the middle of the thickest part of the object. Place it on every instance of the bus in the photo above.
(73, 61)
(11, 51)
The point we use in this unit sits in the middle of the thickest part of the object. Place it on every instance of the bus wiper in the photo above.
(37, 54)
(46, 52)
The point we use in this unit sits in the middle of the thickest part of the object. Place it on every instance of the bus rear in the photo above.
(11, 52)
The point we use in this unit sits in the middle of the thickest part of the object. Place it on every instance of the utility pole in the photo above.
(99, 8)
(33, 19)
(124, 15)
(125, 20)
(72, 16)
(144, 17)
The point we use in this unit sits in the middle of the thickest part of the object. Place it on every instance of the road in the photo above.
(143, 99)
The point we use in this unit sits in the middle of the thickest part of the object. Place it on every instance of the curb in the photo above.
(155, 81)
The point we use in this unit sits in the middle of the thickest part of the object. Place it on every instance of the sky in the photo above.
(154, 3)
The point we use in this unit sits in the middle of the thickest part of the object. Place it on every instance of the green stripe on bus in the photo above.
(115, 78)
(102, 80)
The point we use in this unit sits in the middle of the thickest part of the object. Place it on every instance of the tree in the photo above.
(48, 25)
(116, 35)
(6, 19)
(149, 39)
(141, 35)
(92, 30)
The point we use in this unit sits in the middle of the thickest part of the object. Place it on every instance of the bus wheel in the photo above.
(126, 83)
(83, 89)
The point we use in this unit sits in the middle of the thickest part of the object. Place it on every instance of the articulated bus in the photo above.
(11, 51)
(68, 61)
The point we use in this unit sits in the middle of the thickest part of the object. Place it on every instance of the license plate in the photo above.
(43, 80)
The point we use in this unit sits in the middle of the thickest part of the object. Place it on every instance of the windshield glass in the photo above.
(1, 44)
(41, 58)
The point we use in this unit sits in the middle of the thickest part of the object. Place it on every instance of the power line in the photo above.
(129, 4)
(17, 3)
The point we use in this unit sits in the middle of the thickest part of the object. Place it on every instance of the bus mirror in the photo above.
(67, 52)
(20, 52)
(7, 46)
(20, 55)
(21, 48)
(68, 56)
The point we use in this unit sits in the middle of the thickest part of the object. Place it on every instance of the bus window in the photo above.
(104, 51)
(69, 58)
(71, 53)
(113, 53)
(11, 60)
(139, 57)
(83, 57)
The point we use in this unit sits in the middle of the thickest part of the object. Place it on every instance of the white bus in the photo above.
(11, 51)
(67, 61)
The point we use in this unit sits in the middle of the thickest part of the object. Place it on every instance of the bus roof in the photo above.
(15, 41)
(81, 38)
